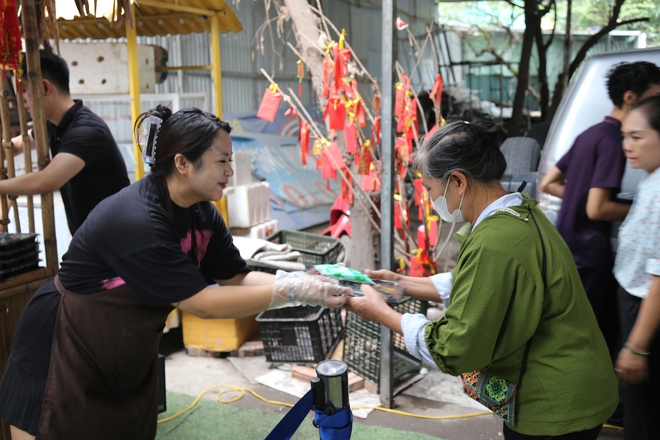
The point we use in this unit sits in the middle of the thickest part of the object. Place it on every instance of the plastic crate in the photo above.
(362, 346)
(303, 334)
(315, 249)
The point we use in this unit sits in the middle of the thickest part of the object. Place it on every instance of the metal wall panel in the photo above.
(241, 58)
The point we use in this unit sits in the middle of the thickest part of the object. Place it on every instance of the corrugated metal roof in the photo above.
(157, 17)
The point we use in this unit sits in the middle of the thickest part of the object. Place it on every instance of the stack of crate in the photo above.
(18, 253)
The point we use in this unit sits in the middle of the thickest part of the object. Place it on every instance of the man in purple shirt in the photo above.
(588, 178)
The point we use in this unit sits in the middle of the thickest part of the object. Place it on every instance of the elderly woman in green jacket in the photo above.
(517, 311)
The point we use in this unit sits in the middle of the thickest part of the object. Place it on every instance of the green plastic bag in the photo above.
(343, 273)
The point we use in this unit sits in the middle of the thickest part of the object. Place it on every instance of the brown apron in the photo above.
(103, 380)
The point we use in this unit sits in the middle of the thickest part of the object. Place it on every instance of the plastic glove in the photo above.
(298, 288)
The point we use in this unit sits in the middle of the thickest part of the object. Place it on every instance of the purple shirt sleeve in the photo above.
(610, 164)
(562, 164)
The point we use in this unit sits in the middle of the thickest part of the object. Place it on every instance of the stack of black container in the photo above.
(19, 253)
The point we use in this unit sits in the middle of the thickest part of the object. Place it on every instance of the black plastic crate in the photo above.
(302, 334)
(362, 345)
(315, 249)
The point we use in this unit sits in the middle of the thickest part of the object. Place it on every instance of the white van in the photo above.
(586, 103)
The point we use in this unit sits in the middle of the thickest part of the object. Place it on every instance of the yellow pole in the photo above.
(216, 62)
(217, 93)
(134, 80)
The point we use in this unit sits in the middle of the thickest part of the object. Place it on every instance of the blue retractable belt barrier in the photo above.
(333, 419)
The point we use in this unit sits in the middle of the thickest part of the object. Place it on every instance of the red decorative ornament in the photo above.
(419, 191)
(339, 70)
(327, 68)
(269, 104)
(346, 189)
(303, 133)
(335, 109)
(365, 160)
(399, 99)
(328, 171)
(375, 131)
(301, 75)
(371, 181)
(337, 159)
(350, 138)
(360, 114)
(436, 91)
(10, 36)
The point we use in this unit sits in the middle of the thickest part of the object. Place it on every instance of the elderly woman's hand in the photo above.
(293, 288)
(382, 274)
(371, 306)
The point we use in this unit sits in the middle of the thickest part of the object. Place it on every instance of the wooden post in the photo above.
(31, 35)
(27, 151)
(6, 147)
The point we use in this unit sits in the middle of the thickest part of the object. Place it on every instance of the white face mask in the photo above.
(440, 206)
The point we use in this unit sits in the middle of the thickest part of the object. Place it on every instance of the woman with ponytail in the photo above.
(519, 328)
(83, 362)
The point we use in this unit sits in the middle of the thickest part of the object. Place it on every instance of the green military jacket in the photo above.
(498, 302)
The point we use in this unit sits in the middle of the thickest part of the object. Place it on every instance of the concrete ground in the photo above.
(434, 394)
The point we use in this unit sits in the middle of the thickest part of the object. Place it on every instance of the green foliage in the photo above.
(586, 15)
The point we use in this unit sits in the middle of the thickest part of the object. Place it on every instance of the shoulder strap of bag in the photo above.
(544, 265)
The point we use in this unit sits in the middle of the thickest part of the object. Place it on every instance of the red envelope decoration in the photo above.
(397, 216)
(336, 111)
(375, 131)
(422, 239)
(371, 181)
(419, 191)
(433, 231)
(436, 91)
(360, 114)
(350, 138)
(364, 159)
(399, 99)
(269, 104)
(304, 141)
(328, 171)
(337, 159)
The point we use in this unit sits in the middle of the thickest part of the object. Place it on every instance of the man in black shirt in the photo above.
(86, 164)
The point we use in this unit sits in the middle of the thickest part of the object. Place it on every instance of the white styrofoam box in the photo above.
(242, 169)
(102, 68)
(249, 205)
(264, 230)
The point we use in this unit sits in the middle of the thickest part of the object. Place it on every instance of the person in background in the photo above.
(83, 362)
(588, 179)
(637, 270)
(517, 309)
(86, 165)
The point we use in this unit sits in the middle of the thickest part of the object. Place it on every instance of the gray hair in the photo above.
(472, 148)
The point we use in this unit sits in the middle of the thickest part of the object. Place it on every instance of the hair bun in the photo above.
(493, 132)
(161, 111)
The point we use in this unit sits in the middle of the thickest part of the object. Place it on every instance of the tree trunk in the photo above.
(544, 101)
(307, 33)
(532, 23)
(365, 242)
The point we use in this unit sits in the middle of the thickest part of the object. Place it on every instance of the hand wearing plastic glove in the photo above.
(298, 288)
